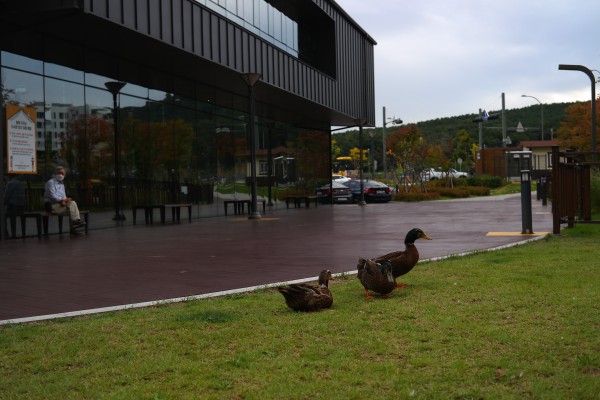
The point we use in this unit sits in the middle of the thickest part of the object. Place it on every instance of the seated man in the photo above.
(58, 203)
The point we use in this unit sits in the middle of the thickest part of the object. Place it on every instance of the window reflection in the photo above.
(174, 149)
(58, 71)
(261, 18)
(21, 62)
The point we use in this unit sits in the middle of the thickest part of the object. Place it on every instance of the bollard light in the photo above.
(526, 202)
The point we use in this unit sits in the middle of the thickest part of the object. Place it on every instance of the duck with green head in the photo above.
(404, 261)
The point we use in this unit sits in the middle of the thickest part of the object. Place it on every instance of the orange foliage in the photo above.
(576, 131)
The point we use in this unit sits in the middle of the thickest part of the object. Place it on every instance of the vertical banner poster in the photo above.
(21, 140)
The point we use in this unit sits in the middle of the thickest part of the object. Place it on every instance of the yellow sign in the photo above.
(21, 140)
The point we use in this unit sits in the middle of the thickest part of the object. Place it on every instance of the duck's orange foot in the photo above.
(368, 296)
(386, 296)
(400, 285)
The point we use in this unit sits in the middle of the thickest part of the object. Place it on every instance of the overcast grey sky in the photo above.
(443, 58)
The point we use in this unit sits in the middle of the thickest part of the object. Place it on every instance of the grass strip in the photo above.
(518, 323)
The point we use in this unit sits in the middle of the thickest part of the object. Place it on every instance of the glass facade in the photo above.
(173, 148)
(260, 18)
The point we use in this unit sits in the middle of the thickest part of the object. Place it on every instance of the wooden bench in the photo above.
(176, 211)
(148, 212)
(46, 217)
(298, 200)
(239, 205)
(23, 216)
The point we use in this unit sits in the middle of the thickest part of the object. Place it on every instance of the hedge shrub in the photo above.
(415, 196)
(489, 181)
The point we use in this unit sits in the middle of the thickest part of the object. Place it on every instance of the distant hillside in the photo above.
(441, 130)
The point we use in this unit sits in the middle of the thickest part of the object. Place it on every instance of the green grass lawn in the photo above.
(518, 323)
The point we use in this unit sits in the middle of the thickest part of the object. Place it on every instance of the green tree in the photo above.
(461, 148)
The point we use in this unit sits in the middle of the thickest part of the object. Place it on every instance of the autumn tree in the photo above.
(87, 143)
(408, 147)
(576, 131)
(355, 154)
(308, 148)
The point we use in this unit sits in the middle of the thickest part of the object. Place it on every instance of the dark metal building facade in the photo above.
(182, 62)
(191, 43)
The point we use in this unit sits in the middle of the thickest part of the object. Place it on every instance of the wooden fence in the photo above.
(571, 187)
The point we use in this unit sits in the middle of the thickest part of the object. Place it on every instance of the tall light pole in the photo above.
(372, 153)
(251, 79)
(394, 121)
(569, 67)
(114, 87)
(360, 123)
(542, 108)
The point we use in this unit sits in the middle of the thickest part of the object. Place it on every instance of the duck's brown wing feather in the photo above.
(373, 279)
(304, 297)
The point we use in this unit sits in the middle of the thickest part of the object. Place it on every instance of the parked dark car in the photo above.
(341, 193)
(374, 191)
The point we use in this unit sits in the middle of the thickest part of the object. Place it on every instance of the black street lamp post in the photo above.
(588, 72)
(393, 121)
(251, 79)
(372, 153)
(360, 123)
(114, 88)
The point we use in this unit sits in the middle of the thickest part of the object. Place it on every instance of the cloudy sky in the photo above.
(442, 58)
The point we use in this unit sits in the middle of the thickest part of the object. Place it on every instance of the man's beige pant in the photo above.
(70, 209)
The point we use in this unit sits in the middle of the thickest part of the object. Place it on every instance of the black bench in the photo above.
(298, 200)
(239, 205)
(176, 211)
(48, 213)
(46, 217)
(23, 216)
(149, 212)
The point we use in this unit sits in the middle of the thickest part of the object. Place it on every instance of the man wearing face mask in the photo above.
(58, 203)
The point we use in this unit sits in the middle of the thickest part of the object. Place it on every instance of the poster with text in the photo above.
(21, 140)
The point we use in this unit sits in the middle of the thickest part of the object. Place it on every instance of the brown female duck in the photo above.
(305, 297)
(375, 277)
(402, 262)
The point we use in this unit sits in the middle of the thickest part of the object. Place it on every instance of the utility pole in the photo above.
(480, 130)
(503, 123)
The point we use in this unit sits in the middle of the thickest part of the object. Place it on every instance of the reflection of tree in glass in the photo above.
(6, 94)
(309, 150)
(155, 149)
(87, 144)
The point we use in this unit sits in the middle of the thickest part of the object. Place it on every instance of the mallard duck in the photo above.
(306, 297)
(403, 262)
(375, 277)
